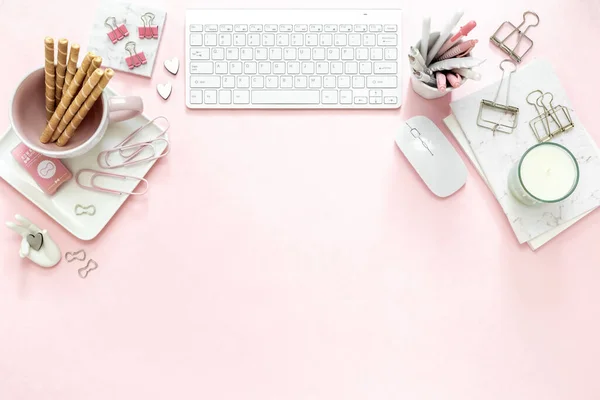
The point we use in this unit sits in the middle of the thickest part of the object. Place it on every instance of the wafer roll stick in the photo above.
(87, 106)
(65, 101)
(61, 68)
(71, 67)
(96, 62)
(82, 96)
(49, 77)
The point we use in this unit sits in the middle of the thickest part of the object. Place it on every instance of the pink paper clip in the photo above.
(125, 146)
(117, 32)
(147, 30)
(135, 59)
(96, 188)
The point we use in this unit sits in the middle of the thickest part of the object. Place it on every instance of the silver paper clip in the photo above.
(502, 44)
(511, 113)
(128, 151)
(94, 187)
(85, 210)
(78, 255)
(90, 266)
(554, 119)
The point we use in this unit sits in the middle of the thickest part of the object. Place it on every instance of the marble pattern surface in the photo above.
(498, 153)
(114, 54)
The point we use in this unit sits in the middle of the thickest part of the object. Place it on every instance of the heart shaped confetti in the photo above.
(172, 65)
(164, 90)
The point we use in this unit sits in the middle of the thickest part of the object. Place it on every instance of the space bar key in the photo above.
(285, 97)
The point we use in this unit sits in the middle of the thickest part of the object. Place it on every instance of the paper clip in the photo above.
(117, 32)
(507, 110)
(135, 59)
(85, 210)
(126, 146)
(72, 256)
(521, 34)
(90, 266)
(554, 119)
(94, 187)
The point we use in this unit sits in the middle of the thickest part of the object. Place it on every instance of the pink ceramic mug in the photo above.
(28, 118)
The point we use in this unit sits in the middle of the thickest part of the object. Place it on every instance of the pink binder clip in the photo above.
(128, 152)
(135, 59)
(147, 30)
(117, 32)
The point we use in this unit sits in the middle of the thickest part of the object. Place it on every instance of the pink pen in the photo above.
(460, 50)
(463, 31)
(453, 80)
(441, 81)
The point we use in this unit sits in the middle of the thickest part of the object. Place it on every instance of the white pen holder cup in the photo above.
(421, 88)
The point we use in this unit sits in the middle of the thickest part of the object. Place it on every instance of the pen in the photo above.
(453, 79)
(415, 60)
(425, 37)
(441, 81)
(463, 31)
(443, 36)
(460, 50)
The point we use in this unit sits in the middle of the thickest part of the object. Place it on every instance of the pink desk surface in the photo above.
(296, 255)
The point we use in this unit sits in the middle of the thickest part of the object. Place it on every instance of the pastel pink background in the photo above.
(296, 255)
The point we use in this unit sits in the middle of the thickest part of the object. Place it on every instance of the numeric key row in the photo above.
(295, 39)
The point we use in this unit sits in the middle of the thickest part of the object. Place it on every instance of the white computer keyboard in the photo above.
(237, 58)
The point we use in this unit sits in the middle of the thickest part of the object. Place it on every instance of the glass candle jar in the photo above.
(547, 173)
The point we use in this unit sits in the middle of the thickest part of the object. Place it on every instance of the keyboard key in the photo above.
(285, 96)
(293, 68)
(345, 28)
(262, 53)
(289, 54)
(287, 82)
(286, 28)
(210, 39)
(254, 39)
(199, 54)
(382, 82)
(322, 68)
(368, 40)
(239, 39)
(272, 81)
(315, 28)
(330, 28)
(241, 28)
(217, 54)
(375, 93)
(314, 82)
(279, 68)
(304, 53)
(311, 39)
(390, 100)
(258, 82)
(360, 100)
(235, 68)
(301, 28)
(375, 28)
(343, 81)
(221, 67)
(250, 67)
(360, 28)
(333, 53)
(354, 39)
(297, 39)
(243, 81)
(226, 28)
(224, 96)
(385, 68)
(390, 54)
(256, 28)
(300, 82)
(318, 53)
(351, 67)
(228, 82)
(211, 28)
(205, 82)
(308, 68)
(270, 28)
(345, 96)
(329, 96)
(387, 39)
(390, 28)
(197, 67)
(233, 53)
(365, 67)
(196, 39)
(358, 82)
(275, 53)
(210, 96)
(348, 53)
(246, 53)
(376, 54)
(375, 100)
(325, 39)
(241, 97)
(362, 54)
(196, 96)
(268, 39)
(196, 28)
(340, 39)
(336, 67)
(329, 82)
(282, 39)
(264, 68)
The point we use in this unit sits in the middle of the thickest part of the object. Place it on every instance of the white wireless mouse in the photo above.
(432, 156)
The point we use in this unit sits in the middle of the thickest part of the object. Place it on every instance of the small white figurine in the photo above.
(37, 245)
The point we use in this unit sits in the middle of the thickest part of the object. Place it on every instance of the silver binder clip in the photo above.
(553, 119)
(510, 43)
(507, 115)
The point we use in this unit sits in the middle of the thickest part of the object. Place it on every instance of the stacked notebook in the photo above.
(494, 154)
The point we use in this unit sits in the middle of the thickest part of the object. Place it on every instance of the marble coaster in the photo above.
(114, 54)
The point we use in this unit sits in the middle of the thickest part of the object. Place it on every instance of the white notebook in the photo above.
(497, 153)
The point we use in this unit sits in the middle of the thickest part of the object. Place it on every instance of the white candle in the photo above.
(547, 173)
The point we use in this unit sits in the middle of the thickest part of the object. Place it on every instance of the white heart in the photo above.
(164, 90)
(172, 65)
